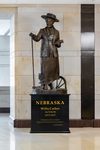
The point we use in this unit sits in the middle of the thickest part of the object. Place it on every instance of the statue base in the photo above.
(39, 90)
(49, 113)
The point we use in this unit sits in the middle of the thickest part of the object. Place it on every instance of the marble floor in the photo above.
(20, 139)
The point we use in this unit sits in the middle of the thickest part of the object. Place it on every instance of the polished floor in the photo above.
(20, 139)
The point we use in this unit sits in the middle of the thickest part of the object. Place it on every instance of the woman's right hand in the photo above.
(31, 34)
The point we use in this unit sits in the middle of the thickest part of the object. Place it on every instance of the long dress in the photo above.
(49, 65)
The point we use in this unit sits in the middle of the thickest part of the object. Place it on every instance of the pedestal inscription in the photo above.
(49, 113)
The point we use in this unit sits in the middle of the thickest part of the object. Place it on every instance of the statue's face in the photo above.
(49, 22)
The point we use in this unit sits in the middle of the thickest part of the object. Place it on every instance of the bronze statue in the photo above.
(50, 41)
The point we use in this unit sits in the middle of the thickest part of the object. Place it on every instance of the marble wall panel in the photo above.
(73, 84)
(8, 10)
(28, 21)
(97, 41)
(23, 109)
(72, 66)
(97, 109)
(61, 66)
(97, 84)
(97, 22)
(33, 9)
(23, 85)
(57, 5)
(75, 97)
(97, 66)
(97, 96)
(23, 41)
(37, 65)
(71, 41)
(97, 8)
(72, 21)
(74, 109)
(23, 66)
(69, 53)
(65, 8)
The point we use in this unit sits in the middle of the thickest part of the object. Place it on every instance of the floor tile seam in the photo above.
(92, 142)
(37, 144)
(86, 140)
(77, 145)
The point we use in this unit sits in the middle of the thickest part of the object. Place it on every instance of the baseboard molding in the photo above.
(4, 110)
(77, 123)
(81, 123)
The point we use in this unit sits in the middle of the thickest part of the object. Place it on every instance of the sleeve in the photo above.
(38, 36)
(58, 44)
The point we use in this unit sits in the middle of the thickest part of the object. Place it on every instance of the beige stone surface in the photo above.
(57, 5)
(97, 109)
(97, 66)
(29, 22)
(75, 97)
(23, 66)
(97, 8)
(61, 66)
(23, 109)
(97, 53)
(71, 41)
(69, 53)
(97, 96)
(72, 66)
(73, 84)
(36, 65)
(65, 8)
(8, 10)
(74, 109)
(97, 41)
(72, 21)
(97, 22)
(23, 41)
(33, 9)
(23, 85)
(97, 84)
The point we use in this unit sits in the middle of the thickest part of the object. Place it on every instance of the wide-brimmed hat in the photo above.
(49, 15)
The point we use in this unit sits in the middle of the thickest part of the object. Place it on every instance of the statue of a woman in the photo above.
(50, 41)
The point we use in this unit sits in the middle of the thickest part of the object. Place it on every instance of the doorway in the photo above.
(5, 28)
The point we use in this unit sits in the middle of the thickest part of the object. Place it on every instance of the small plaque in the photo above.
(49, 113)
